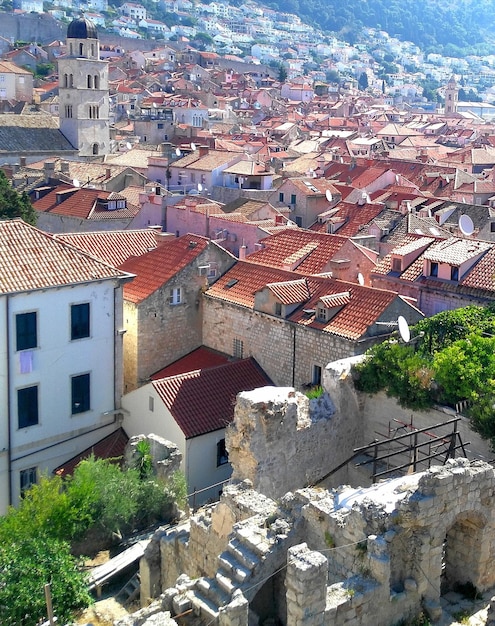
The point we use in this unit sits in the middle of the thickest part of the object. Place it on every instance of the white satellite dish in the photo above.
(397, 178)
(75, 182)
(404, 331)
(177, 151)
(193, 146)
(200, 187)
(466, 225)
(360, 278)
(128, 145)
(154, 105)
(328, 195)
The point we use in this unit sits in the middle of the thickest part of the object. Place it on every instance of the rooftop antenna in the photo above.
(466, 225)
(404, 331)
(360, 279)
(328, 195)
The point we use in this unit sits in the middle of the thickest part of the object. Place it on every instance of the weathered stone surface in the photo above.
(166, 456)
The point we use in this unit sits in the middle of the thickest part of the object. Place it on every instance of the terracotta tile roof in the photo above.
(240, 284)
(482, 275)
(203, 401)
(336, 300)
(111, 447)
(290, 291)
(157, 267)
(201, 358)
(319, 249)
(356, 216)
(456, 251)
(31, 259)
(113, 247)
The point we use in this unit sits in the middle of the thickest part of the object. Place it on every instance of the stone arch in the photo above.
(462, 553)
(95, 149)
(96, 81)
(269, 603)
(81, 49)
(90, 81)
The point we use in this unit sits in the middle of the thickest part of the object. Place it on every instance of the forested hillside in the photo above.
(454, 28)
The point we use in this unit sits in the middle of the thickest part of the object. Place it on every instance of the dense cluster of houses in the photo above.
(227, 237)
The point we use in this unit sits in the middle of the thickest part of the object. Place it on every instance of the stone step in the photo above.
(256, 541)
(225, 583)
(210, 589)
(243, 554)
(203, 606)
(229, 563)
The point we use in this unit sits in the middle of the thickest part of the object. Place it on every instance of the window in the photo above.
(278, 308)
(396, 264)
(222, 454)
(80, 393)
(298, 219)
(68, 111)
(79, 321)
(433, 269)
(454, 273)
(95, 149)
(316, 377)
(322, 314)
(238, 348)
(293, 198)
(25, 331)
(151, 404)
(90, 81)
(160, 125)
(492, 227)
(175, 296)
(28, 477)
(27, 406)
(280, 197)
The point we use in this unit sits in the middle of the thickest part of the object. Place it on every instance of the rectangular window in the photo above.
(280, 197)
(278, 308)
(238, 348)
(434, 269)
(27, 406)
(28, 477)
(316, 378)
(151, 404)
(454, 273)
(79, 321)
(396, 264)
(160, 126)
(492, 227)
(298, 220)
(293, 198)
(222, 454)
(80, 393)
(25, 331)
(175, 296)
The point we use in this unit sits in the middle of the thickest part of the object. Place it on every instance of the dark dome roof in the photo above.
(82, 28)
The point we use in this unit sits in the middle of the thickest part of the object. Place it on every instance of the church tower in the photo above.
(451, 96)
(83, 91)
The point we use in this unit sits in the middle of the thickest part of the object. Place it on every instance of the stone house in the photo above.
(163, 312)
(16, 83)
(61, 354)
(203, 166)
(192, 409)
(306, 198)
(292, 324)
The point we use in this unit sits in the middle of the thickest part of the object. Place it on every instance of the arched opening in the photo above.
(71, 80)
(90, 81)
(96, 82)
(269, 604)
(95, 148)
(81, 49)
(461, 555)
(66, 80)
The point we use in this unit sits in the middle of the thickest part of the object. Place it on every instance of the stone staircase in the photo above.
(255, 550)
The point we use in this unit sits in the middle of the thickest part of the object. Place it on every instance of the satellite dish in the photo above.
(193, 146)
(177, 151)
(154, 105)
(128, 145)
(360, 278)
(404, 331)
(200, 187)
(466, 225)
(328, 195)
(75, 182)
(397, 178)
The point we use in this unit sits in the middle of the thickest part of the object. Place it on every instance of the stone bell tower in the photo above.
(451, 96)
(83, 91)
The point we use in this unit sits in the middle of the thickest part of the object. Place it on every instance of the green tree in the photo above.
(363, 81)
(282, 73)
(14, 204)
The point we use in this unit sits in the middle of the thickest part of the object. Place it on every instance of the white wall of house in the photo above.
(60, 432)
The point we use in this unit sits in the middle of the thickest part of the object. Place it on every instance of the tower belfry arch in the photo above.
(83, 92)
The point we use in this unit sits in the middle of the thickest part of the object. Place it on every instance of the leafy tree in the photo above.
(363, 81)
(14, 204)
(333, 76)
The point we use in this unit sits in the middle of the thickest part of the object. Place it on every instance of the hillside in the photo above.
(454, 28)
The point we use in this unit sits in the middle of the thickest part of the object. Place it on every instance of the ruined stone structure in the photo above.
(346, 556)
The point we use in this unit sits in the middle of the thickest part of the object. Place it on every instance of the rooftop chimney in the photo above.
(203, 151)
(242, 253)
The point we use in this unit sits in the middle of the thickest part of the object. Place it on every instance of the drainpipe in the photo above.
(294, 355)
(9, 404)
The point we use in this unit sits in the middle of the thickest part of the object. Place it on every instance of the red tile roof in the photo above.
(31, 259)
(157, 267)
(281, 246)
(110, 447)
(201, 358)
(203, 401)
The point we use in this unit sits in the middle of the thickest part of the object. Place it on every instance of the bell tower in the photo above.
(451, 96)
(83, 91)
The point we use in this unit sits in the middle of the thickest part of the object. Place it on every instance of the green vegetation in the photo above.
(14, 204)
(314, 392)
(420, 22)
(35, 538)
(453, 361)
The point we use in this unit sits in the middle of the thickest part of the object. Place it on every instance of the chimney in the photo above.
(23, 161)
(203, 151)
(49, 170)
(64, 167)
(108, 173)
(242, 253)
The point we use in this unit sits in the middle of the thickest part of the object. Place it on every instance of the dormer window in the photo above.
(454, 273)
(322, 313)
(278, 309)
(396, 264)
(433, 269)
